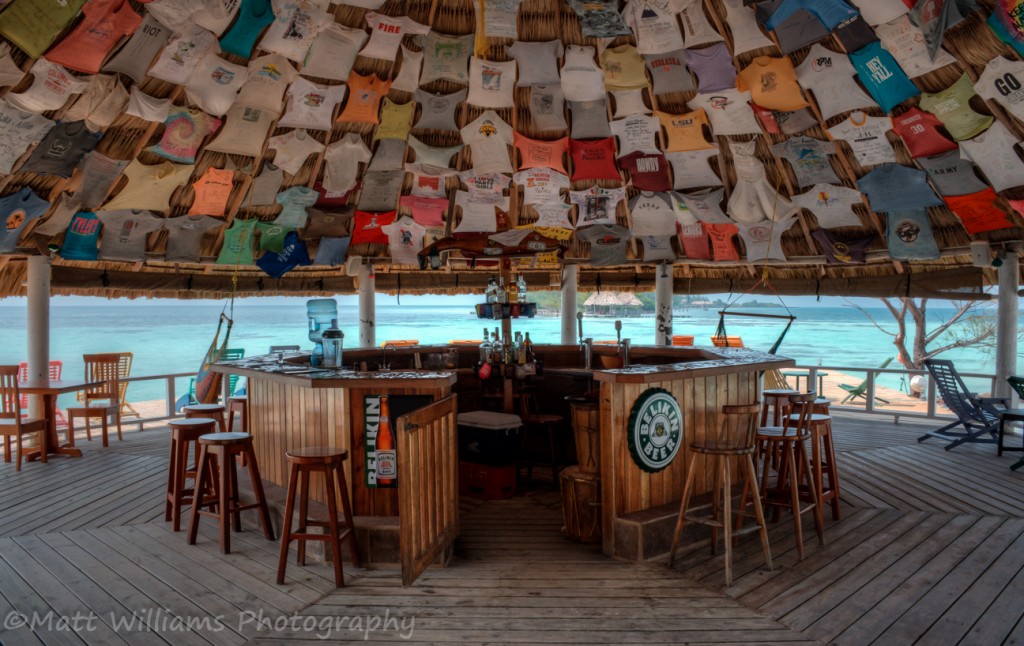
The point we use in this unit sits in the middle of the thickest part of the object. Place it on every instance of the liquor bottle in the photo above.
(502, 294)
(513, 289)
(521, 288)
(520, 349)
(485, 348)
(387, 459)
(492, 291)
(529, 348)
(495, 348)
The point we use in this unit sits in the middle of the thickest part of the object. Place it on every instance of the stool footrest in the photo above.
(318, 537)
(326, 524)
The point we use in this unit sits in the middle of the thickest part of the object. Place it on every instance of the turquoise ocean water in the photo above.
(172, 336)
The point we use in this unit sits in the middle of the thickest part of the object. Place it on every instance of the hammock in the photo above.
(208, 382)
(723, 337)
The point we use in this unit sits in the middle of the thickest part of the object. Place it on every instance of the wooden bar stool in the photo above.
(823, 455)
(238, 404)
(734, 441)
(536, 423)
(219, 449)
(331, 463)
(788, 442)
(185, 433)
(776, 399)
(211, 411)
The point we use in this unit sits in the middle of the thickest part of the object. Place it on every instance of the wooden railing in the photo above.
(428, 486)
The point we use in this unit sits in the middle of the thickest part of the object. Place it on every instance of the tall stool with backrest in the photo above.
(209, 411)
(103, 401)
(788, 442)
(217, 453)
(535, 423)
(732, 446)
(185, 434)
(238, 404)
(11, 422)
(331, 463)
(823, 456)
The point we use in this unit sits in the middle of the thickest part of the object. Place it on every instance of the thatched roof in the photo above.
(613, 299)
(806, 270)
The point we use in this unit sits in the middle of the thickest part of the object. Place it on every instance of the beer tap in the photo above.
(622, 343)
(586, 345)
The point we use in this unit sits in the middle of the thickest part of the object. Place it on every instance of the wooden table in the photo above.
(800, 374)
(50, 390)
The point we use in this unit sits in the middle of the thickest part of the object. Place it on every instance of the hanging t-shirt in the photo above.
(866, 137)
(952, 107)
(746, 35)
(489, 184)
(637, 133)
(238, 242)
(311, 105)
(294, 203)
(495, 19)
(295, 27)
(266, 81)
(654, 24)
(125, 234)
(326, 223)
(367, 228)
(390, 155)
(429, 181)
(181, 55)
(253, 16)
(184, 131)
(629, 102)
(10, 73)
(842, 250)
(489, 138)
(217, 16)
(553, 214)
(408, 78)
(910, 236)
(438, 110)
(695, 241)
(692, 169)
(1003, 82)
(623, 68)
(405, 240)
(723, 240)
(150, 187)
(753, 198)
(593, 160)
(341, 162)
(892, 187)
(978, 212)
(599, 18)
(656, 248)
(146, 107)
(685, 131)
(432, 155)
(590, 119)
(772, 83)
(877, 12)
(134, 58)
(185, 236)
(365, 93)
(831, 205)
(763, 241)
(386, 34)
(882, 76)
(541, 185)
(244, 132)
(445, 57)
(797, 31)
(82, 237)
(61, 149)
(534, 153)
(829, 75)
(809, 159)
(105, 23)
(331, 252)
(102, 102)
(994, 151)
(537, 62)
(272, 236)
(830, 12)
(33, 24)
(428, 211)
(380, 190)
(334, 52)
(669, 72)
(703, 206)
(18, 131)
(395, 122)
(597, 205)
(478, 211)
(264, 187)
(951, 174)
(16, 211)
(582, 79)
(696, 28)
(713, 66)
(919, 131)
(729, 111)
(52, 86)
(61, 213)
(491, 84)
(647, 172)
(99, 173)
(608, 244)
(652, 214)
(212, 190)
(907, 45)
(214, 84)
(293, 148)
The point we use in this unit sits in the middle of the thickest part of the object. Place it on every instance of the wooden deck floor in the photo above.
(930, 550)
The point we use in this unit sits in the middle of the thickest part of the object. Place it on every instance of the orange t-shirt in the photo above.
(979, 212)
(542, 154)
(685, 131)
(105, 23)
(212, 192)
(771, 83)
(364, 95)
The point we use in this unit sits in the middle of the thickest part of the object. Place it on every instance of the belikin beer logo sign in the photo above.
(381, 462)
(655, 429)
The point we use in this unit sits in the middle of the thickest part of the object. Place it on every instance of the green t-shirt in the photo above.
(272, 236)
(953, 107)
(237, 247)
(33, 24)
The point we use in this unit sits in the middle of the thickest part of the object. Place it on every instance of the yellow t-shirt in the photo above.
(771, 83)
(623, 68)
(395, 120)
(685, 131)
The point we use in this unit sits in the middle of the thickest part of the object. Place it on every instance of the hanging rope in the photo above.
(721, 333)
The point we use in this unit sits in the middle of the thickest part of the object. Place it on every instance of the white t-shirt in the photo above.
(489, 138)
(538, 62)
(341, 162)
(10, 73)
(295, 27)
(906, 44)
(181, 55)
(763, 241)
(729, 112)
(408, 79)
(429, 181)
(629, 102)
(244, 131)
(387, 34)
(746, 34)
(877, 12)
(333, 52)
(652, 214)
(491, 84)
(830, 76)
(18, 131)
(52, 86)
(405, 238)
(696, 28)
(553, 214)
(218, 16)
(147, 107)
(831, 205)
(654, 24)
(541, 185)
(692, 169)
(637, 133)
(1003, 82)
(177, 14)
(703, 206)
(596, 205)
(311, 105)
(266, 82)
(582, 78)
(866, 136)
(292, 149)
(478, 211)
(995, 154)
(215, 84)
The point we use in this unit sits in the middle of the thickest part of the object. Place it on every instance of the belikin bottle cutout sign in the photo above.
(381, 458)
(655, 429)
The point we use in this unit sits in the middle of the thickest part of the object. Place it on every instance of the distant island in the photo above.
(550, 302)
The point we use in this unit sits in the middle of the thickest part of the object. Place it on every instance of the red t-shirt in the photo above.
(428, 211)
(647, 172)
(367, 228)
(534, 153)
(327, 198)
(722, 245)
(978, 211)
(695, 241)
(594, 159)
(919, 131)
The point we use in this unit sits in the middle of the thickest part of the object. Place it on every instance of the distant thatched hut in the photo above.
(613, 304)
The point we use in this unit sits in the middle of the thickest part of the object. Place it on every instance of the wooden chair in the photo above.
(103, 401)
(124, 371)
(11, 422)
(55, 368)
(977, 415)
(534, 423)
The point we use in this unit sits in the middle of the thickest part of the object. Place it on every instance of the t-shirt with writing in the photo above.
(266, 81)
(429, 181)
(82, 237)
(696, 28)
(907, 45)
(52, 86)
(608, 244)
(238, 242)
(808, 158)
(491, 83)
(952, 107)
(489, 138)
(99, 173)
(685, 131)
(1003, 82)
(772, 83)
(729, 111)
(593, 159)
(150, 187)
(692, 169)
(994, 151)
(893, 187)
(405, 240)
(292, 149)
(951, 174)
(364, 95)
(654, 24)
(367, 228)
(479, 211)
(831, 205)
(212, 192)
(623, 68)
(597, 205)
(134, 58)
(910, 236)
(445, 57)
(723, 240)
(829, 75)
(842, 250)
(669, 72)
(541, 154)
(244, 132)
(652, 214)
(333, 52)
(61, 149)
(763, 241)
(920, 132)
(636, 133)
(181, 55)
(582, 79)
(125, 233)
(33, 24)
(184, 131)
(16, 211)
(978, 212)
(214, 84)
(387, 33)
(647, 172)
(866, 137)
(882, 76)
(18, 131)
(104, 24)
(438, 110)
(428, 211)
(342, 159)
(380, 190)
(295, 27)
(541, 185)
(185, 236)
(311, 105)
(294, 202)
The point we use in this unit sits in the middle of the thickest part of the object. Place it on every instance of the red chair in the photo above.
(55, 370)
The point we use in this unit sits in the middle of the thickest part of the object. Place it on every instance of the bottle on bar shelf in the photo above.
(513, 289)
(492, 291)
(521, 288)
(485, 348)
(496, 348)
(520, 349)
(528, 348)
(387, 459)
(502, 294)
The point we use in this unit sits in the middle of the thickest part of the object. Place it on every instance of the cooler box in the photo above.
(487, 482)
(489, 438)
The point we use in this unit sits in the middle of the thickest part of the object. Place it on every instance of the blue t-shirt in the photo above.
(893, 187)
(83, 234)
(16, 211)
(277, 264)
(910, 235)
(253, 16)
(829, 12)
(331, 252)
(879, 72)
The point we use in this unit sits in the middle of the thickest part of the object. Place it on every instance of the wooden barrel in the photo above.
(586, 424)
(581, 505)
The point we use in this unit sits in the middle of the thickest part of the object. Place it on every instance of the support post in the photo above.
(38, 288)
(367, 307)
(570, 280)
(1006, 324)
(663, 288)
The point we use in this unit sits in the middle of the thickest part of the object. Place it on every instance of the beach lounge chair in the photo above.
(1017, 383)
(859, 391)
(977, 415)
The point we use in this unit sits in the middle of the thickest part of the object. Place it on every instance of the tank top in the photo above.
(253, 17)
(135, 57)
(105, 23)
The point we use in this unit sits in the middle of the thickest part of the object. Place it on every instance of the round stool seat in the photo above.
(192, 422)
(316, 455)
(779, 392)
(204, 408)
(220, 439)
(238, 398)
(723, 448)
(540, 418)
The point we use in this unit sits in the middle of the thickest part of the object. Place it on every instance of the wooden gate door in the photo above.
(428, 486)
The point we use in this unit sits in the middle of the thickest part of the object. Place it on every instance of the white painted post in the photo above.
(663, 287)
(38, 288)
(570, 278)
(367, 306)
(1006, 323)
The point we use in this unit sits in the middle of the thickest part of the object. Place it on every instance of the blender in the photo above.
(321, 312)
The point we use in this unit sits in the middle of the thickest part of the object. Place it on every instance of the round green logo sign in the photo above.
(655, 430)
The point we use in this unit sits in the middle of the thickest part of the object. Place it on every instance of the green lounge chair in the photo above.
(230, 354)
(1017, 383)
(860, 390)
